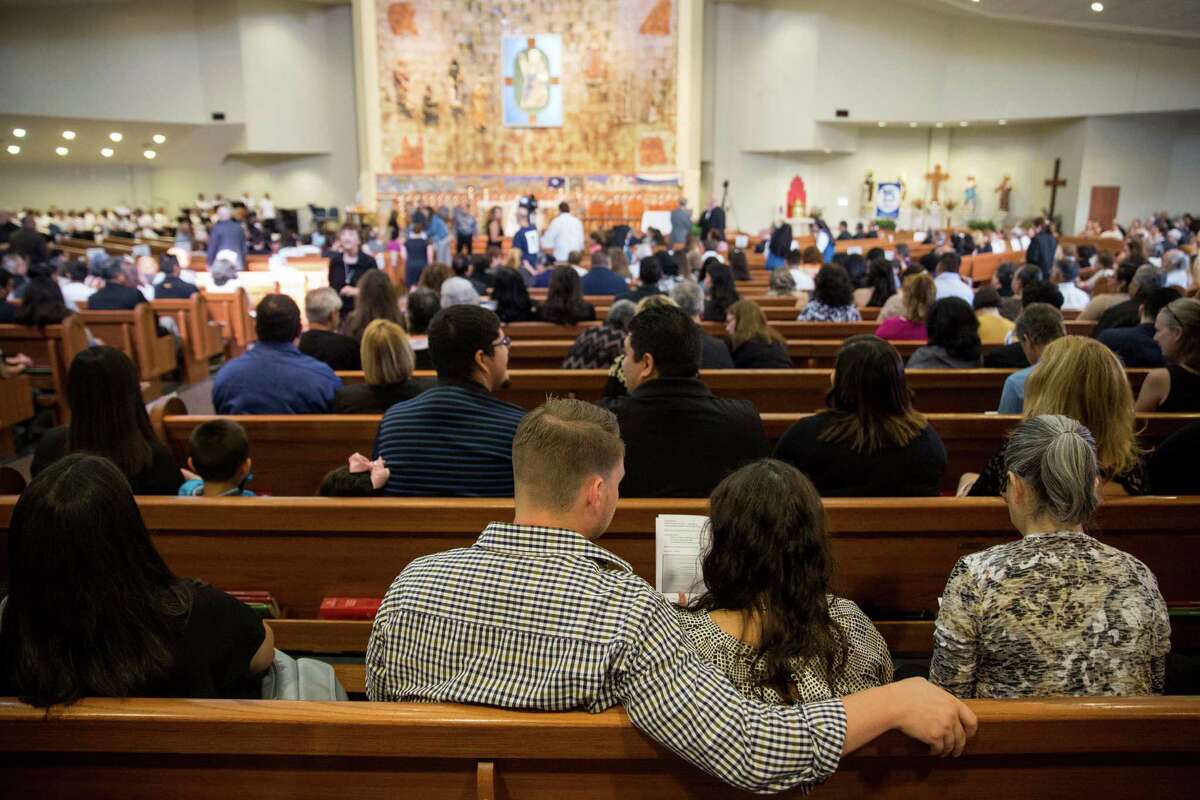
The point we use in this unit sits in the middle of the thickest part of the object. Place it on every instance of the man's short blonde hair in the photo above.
(559, 445)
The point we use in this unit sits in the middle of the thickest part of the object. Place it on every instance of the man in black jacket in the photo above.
(117, 294)
(680, 440)
(1042, 248)
(1012, 356)
(1128, 314)
(28, 243)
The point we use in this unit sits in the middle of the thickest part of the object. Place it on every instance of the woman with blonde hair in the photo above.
(755, 344)
(1175, 387)
(387, 360)
(1082, 379)
(917, 297)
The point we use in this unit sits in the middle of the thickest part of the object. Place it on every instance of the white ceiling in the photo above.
(186, 145)
(1176, 20)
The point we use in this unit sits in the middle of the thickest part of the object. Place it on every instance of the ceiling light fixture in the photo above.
(912, 124)
(62, 151)
(68, 135)
(149, 153)
(14, 149)
(827, 151)
(158, 138)
(115, 137)
(1097, 7)
(1003, 122)
(107, 152)
(19, 133)
(883, 124)
(962, 124)
(940, 125)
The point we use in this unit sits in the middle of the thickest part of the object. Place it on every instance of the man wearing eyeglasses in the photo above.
(455, 440)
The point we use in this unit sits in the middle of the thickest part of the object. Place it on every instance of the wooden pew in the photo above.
(52, 349)
(16, 406)
(217, 749)
(202, 335)
(293, 452)
(232, 311)
(134, 333)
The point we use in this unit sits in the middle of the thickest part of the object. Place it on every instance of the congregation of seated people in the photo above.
(767, 675)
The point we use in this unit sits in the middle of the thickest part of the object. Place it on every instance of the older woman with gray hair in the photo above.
(598, 348)
(1057, 612)
(458, 291)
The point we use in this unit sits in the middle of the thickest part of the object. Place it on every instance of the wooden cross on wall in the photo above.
(936, 177)
(1054, 183)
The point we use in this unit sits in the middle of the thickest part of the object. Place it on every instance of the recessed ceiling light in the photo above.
(912, 124)
(68, 135)
(149, 153)
(883, 124)
(158, 138)
(1097, 7)
(13, 149)
(940, 125)
(107, 152)
(962, 124)
(62, 151)
(19, 133)
(827, 151)
(1003, 122)
(115, 137)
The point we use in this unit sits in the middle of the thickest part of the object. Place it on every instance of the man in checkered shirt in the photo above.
(536, 616)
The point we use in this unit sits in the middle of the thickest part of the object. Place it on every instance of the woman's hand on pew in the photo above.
(965, 483)
(916, 708)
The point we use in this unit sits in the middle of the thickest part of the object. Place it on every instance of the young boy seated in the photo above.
(220, 455)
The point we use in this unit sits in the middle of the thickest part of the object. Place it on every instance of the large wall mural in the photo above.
(471, 90)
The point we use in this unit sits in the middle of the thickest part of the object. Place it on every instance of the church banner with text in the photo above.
(887, 200)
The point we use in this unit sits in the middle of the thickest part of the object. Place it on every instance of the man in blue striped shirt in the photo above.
(455, 439)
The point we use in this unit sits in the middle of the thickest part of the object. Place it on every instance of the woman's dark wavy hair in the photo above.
(377, 299)
(564, 299)
(724, 292)
(952, 324)
(833, 287)
(511, 296)
(769, 553)
(856, 269)
(108, 416)
(881, 280)
(43, 303)
(870, 406)
(92, 608)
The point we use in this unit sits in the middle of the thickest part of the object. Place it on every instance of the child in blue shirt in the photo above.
(220, 455)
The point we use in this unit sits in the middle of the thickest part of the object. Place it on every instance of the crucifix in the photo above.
(1054, 183)
(936, 177)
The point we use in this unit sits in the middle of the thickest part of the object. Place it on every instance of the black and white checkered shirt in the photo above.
(542, 619)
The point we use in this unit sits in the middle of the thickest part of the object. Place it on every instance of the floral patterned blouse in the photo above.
(816, 311)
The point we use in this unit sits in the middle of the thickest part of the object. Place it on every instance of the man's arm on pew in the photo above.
(915, 707)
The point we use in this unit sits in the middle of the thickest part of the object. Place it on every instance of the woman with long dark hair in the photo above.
(43, 303)
(564, 299)
(722, 291)
(953, 337)
(767, 619)
(92, 609)
(754, 343)
(870, 442)
(108, 418)
(377, 299)
(511, 297)
(880, 284)
(778, 246)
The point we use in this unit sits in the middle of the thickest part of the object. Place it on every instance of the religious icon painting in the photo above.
(531, 78)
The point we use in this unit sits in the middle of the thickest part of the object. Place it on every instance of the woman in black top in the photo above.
(871, 442)
(92, 610)
(1176, 387)
(880, 284)
(377, 299)
(722, 292)
(387, 360)
(43, 303)
(511, 297)
(755, 344)
(495, 228)
(564, 299)
(108, 418)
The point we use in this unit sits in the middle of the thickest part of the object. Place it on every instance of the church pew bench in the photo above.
(292, 453)
(231, 310)
(215, 749)
(16, 406)
(52, 349)
(788, 327)
(1102, 244)
(134, 333)
(201, 335)
(893, 555)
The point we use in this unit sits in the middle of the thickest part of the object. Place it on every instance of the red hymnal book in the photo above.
(349, 607)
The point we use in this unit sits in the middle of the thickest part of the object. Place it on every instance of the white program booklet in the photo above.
(680, 542)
